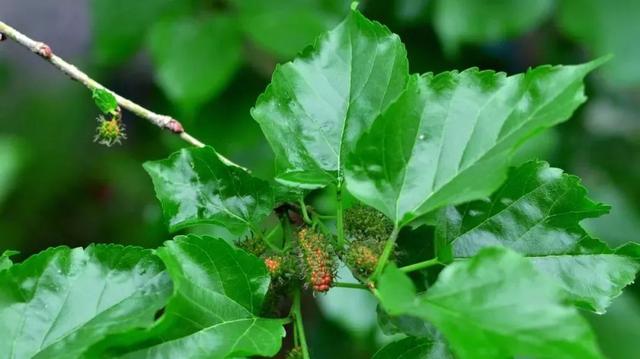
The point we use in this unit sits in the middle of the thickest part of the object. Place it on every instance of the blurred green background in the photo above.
(206, 61)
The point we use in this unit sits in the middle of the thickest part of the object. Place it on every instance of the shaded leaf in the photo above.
(195, 58)
(537, 213)
(58, 303)
(606, 27)
(12, 159)
(404, 324)
(196, 187)
(483, 21)
(120, 26)
(415, 348)
(218, 294)
(617, 330)
(495, 305)
(269, 23)
(448, 138)
(317, 105)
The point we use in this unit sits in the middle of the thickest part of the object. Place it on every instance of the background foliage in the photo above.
(206, 61)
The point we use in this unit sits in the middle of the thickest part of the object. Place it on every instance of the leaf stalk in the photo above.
(305, 214)
(44, 51)
(386, 252)
(340, 216)
(298, 326)
(350, 285)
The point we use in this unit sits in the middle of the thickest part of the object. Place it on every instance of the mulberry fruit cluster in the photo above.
(318, 259)
(274, 265)
(367, 230)
(362, 256)
(110, 131)
(366, 224)
(281, 266)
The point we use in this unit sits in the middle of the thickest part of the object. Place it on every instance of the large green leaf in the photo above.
(61, 301)
(537, 213)
(120, 26)
(218, 294)
(495, 305)
(606, 27)
(482, 21)
(414, 348)
(195, 58)
(196, 187)
(269, 23)
(448, 137)
(318, 105)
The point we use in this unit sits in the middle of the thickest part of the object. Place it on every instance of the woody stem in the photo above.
(43, 50)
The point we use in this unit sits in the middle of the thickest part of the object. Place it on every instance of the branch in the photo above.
(44, 51)
(386, 252)
(350, 285)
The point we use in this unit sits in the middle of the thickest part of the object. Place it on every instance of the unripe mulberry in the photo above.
(318, 259)
(273, 264)
(109, 131)
(365, 223)
(253, 245)
(362, 256)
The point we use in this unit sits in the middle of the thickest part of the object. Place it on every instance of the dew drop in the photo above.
(422, 137)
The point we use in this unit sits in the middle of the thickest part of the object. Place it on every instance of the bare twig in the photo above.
(44, 51)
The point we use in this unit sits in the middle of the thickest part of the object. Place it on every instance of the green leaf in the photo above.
(120, 26)
(404, 324)
(58, 303)
(482, 21)
(317, 105)
(495, 305)
(105, 101)
(269, 23)
(195, 58)
(606, 27)
(218, 294)
(196, 187)
(448, 138)
(537, 213)
(415, 348)
(5, 259)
